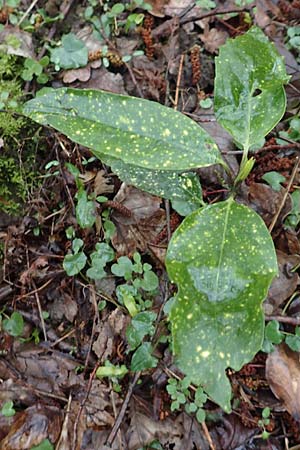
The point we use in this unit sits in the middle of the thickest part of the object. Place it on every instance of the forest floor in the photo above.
(71, 378)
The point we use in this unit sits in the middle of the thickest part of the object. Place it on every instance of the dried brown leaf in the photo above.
(25, 48)
(266, 202)
(108, 81)
(283, 375)
(115, 325)
(102, 184)
(213, 39)
(32, 426)
(285, 284)
(147, 220)
(81, 74)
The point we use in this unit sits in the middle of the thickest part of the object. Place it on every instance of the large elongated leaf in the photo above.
(137, 131)
(249, 94)
(223, 260)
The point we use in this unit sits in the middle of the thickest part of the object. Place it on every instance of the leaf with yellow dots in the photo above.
(223, 260)
(183, 189)
(136, 131)
(249, 94)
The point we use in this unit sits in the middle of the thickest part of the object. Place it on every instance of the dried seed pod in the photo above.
(196, 64)
(118, 207)
(95, 55)
(113, 57)
(147, 36)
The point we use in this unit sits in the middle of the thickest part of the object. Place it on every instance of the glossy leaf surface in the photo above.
(249, 95)
(137, 131)
(223, 260)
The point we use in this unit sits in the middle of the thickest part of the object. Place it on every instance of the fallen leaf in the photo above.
(283, 376)
(21, 42)
(115, 325)
(105, 80)
(102, 184)
(81, 74)
(213, 39)
(285, 284)
(32, 426)
(158, 7)
(266, 202)
(176, 7)
(287, 241)
(140, 229)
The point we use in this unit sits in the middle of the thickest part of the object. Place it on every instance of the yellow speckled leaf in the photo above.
(223, 260)
(136, 131)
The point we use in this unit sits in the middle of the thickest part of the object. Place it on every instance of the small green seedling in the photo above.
(44, 445)
(71, 54)
(111, 371)
(34, 68)
(7, 409)
(274, 179)
(74, 262)
(264, 422)
(180, 394)
(14, 325)
(274, 336)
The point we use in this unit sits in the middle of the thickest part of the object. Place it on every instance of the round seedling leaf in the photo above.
(14, 325)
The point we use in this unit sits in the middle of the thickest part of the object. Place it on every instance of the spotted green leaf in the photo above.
(137, 131)
(183, 189)
(249, 94)
(223, 260)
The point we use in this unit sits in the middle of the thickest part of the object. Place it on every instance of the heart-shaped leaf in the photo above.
(223, 260)
(249, 95)
(137, 131)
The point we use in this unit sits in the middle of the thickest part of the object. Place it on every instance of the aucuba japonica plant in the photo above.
(222, 256)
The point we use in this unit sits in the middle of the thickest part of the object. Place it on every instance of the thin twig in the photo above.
(95, 321)
(35, 291)
(216, 12)
(122, 412)
(278, 147)
(62, 338)
(84, 401)
(275, 218)
(27, 12)
(112, 397)
(284, 319)
(64, 429)
(178, 82)
(37, 298)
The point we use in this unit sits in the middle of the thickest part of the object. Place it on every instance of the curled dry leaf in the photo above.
(115, 325)
(102, 184)
(284, 285)
(283, 376)
(213, 39)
